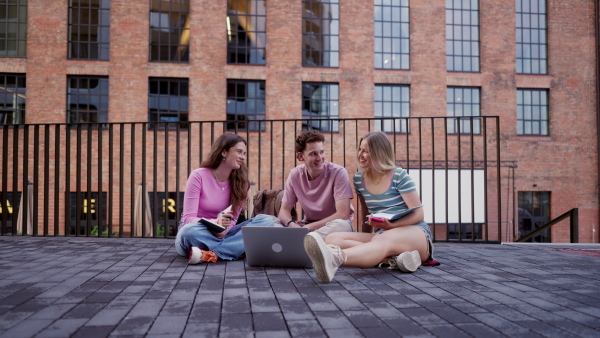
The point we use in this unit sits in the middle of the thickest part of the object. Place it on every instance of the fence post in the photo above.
(574, 219)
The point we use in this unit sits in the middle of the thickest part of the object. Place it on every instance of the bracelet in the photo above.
(288, 223)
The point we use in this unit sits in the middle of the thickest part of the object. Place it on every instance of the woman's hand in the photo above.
(380, 223)
(225, 219)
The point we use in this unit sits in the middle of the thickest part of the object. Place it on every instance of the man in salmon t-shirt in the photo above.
(322, 188)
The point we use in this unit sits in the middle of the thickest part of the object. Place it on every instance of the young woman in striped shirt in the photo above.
(381, 187)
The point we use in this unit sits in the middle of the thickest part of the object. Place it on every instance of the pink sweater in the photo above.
(204, 197)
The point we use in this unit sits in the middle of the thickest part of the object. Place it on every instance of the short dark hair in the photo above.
(306, 137)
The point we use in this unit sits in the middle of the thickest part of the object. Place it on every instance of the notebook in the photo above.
(275, 247)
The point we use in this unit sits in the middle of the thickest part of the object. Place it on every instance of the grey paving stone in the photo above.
(503, 325)
(239, 322)
(545, 329)
(168, 325)
(305, 328)
(107, 317)
(203, 330)
(133, 326)
(446, 330)
(269, 321)
(479, 330)
(93, 332)
(62, 328)
(26, 328)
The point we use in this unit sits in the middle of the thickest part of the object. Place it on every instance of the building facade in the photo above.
(533, 63)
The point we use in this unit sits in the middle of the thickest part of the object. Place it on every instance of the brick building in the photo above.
(533, 63)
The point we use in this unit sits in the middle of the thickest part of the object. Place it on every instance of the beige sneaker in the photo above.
(326, 258)
(408, 261)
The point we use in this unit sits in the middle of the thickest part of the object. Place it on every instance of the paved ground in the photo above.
(60, 287)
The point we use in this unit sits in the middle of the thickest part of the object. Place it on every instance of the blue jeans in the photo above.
(230, 247)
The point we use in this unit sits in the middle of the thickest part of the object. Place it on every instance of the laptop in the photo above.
(276, 247)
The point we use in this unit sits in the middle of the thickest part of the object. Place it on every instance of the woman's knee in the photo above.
(261, 220)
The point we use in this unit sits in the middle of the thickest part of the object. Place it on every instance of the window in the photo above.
(463, 101)
(9, 208)
(89, 29)
(90, 208)
(166, 209)
(170, 30)
(462, 35)
(13, 28)
(531, 37)
(320, 33)
(12, 99)
(246, 32)
(245, 102)
(532, 112)
(168, 101)
(392, 101)
(87, 99)
(534, 212)
(320, 102)
(392, 33)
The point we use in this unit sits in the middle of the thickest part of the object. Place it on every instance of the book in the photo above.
(392, 217)
(212, 225)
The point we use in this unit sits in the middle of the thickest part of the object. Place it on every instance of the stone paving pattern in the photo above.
(91, 287)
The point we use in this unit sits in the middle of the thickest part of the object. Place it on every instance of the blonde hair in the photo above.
(380, 151)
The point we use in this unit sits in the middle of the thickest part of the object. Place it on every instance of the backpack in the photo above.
(268, 202)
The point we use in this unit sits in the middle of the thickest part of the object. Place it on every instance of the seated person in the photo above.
(381, 187)
(221, 181)
(322, 188)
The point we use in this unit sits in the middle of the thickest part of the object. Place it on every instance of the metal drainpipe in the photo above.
(597, 8)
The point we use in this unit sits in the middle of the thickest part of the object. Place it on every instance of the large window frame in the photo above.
(320, 101)
(168, 101)
(246, 32)
(464, 103)
(392, 101)
(246, 105)
(320, 33)
(532, 112)
(532, 39)
(87, 99)
(13, 98)
(13, 31)
(392, 34)
(462, 36)
(534, 212)
(169, 31)
(89, 29)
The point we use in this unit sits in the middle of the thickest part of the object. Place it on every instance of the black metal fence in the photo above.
(128, 179)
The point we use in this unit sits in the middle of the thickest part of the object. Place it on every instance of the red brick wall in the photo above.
(565, 162)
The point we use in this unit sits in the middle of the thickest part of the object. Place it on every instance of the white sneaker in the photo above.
(326, 258)
(201, 256)
(408, 261)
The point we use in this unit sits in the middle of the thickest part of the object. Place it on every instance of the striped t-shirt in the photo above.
(391, 200)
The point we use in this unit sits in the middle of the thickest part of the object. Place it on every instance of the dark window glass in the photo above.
(532, 42)
(12, 98)
(166, 209)
(392, 32)
(320, 33)
(9, 208)
(13, 28)
(532, 112)
(168, 102)
(170, 30)
(87, 99)
(245, 103)
(89, 29)
(462, 35)
(392, 101)
(89, 212)
(534, 212)
(464, 102)
(246, 32)
(320, 103)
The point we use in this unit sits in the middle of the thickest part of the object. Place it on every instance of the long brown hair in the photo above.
(380, 150)
(238, 179)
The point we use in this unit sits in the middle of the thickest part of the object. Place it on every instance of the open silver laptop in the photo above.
(276, 247)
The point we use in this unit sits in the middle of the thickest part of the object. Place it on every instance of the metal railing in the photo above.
(573, 216)
(128, 179)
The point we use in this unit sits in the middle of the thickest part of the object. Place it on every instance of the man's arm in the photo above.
(342, 208)
(285, 215)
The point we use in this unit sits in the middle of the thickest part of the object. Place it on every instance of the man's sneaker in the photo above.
(408, 261)
(201, 256)
(326, 258)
